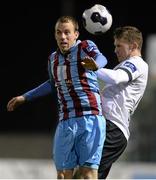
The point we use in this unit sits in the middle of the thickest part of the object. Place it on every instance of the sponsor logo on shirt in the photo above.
(131, 66)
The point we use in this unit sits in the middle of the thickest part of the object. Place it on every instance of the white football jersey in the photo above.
(121, 99)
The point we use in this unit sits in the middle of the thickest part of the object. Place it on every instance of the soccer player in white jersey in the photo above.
(123, 90)
(80, 133)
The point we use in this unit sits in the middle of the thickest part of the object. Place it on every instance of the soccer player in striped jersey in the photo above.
(80, 133)
(123, 90)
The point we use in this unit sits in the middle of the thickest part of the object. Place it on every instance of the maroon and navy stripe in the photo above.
(84, 83)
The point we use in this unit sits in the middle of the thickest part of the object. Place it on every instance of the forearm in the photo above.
(40, 91)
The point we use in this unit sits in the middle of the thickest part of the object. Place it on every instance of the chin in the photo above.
(65, 50)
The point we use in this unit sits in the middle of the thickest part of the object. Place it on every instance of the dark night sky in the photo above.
(26, 42)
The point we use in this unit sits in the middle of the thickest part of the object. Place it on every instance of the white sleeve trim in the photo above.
(110, 76)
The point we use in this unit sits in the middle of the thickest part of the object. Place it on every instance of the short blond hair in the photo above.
(130, 34)
(65, 19)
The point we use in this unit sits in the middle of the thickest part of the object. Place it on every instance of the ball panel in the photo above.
(96, 17)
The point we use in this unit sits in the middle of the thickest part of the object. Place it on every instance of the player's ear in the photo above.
(134, 46)
(77, 34)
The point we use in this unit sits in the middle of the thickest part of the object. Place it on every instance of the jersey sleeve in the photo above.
(110, 76)
(131, 67)
(40, 91)
(92, 50)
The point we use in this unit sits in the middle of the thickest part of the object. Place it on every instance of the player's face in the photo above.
(122, 49)
(65, 35)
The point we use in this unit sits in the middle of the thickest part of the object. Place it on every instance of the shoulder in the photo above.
(134, 64)
(87, 42)
(88, 45)
(52, 55)
(138, 62)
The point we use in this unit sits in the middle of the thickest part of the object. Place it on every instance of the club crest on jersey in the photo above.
(69, 57)
(131, 66)
(91, 48)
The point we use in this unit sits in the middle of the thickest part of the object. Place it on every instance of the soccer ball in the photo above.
(97, 19)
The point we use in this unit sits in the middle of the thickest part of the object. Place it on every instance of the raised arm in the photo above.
(110, 76)
(107, 75)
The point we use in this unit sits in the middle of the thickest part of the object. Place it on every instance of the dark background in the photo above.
(27, 39)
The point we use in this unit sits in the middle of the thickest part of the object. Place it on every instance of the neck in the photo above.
(135, 53)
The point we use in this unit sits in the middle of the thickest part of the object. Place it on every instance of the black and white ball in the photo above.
(97, 19)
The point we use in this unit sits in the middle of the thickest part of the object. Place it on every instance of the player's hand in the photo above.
(89, 63)
(15, 102)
